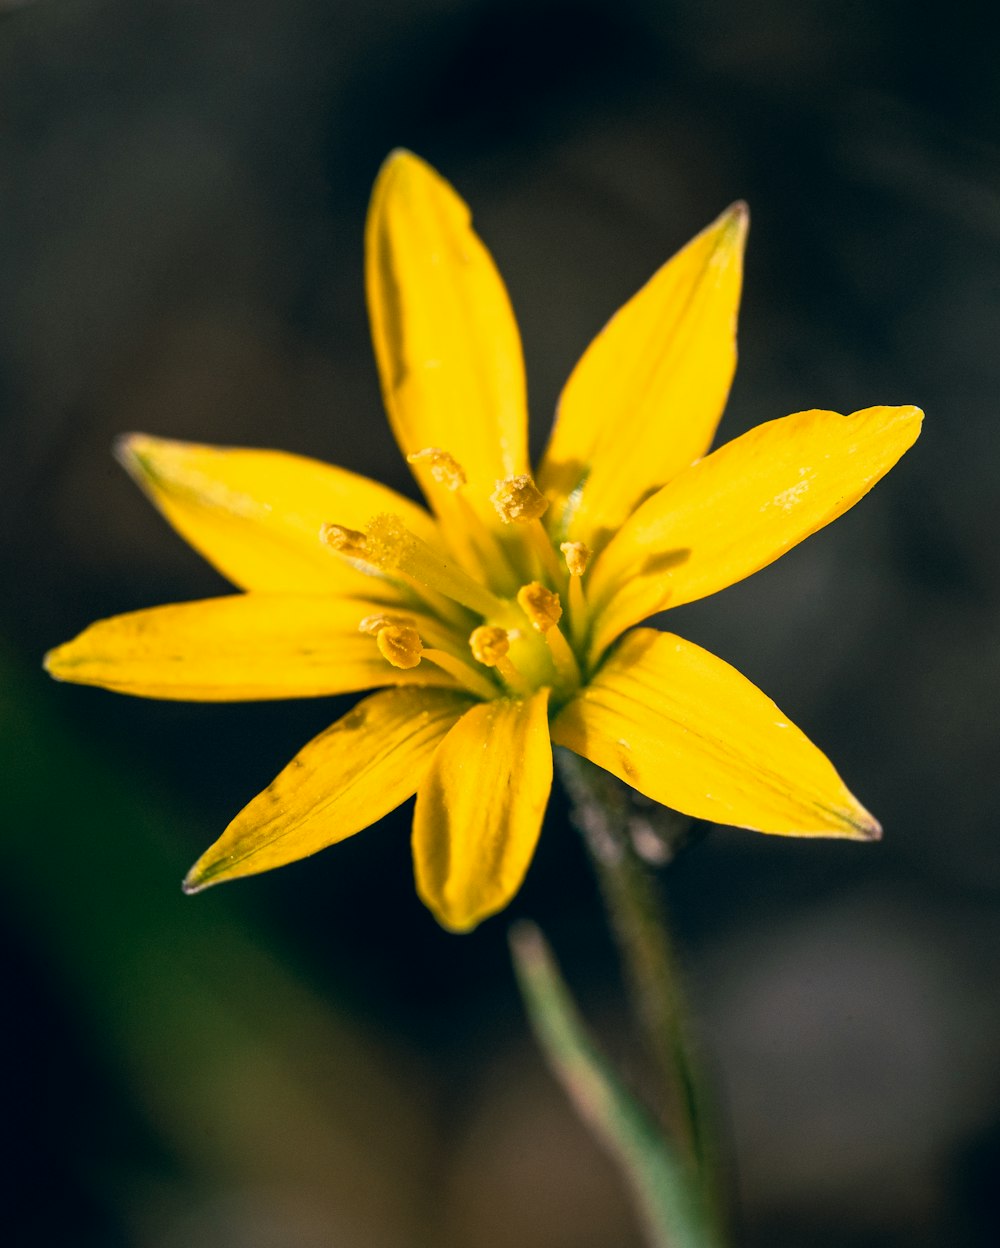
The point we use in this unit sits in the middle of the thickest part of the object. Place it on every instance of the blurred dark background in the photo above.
(304, 1060)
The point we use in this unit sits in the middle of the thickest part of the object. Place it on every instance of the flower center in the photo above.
(488, 608)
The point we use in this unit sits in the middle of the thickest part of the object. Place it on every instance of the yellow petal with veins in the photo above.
(447, 345)
(688, 730)
(348, 777)
(479, 810)
(256, 515)
(240, 648)
(645, 399)
(740, 508)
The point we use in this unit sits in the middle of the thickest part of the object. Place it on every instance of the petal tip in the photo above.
(458, 920)
(195, 882)
(868, 827)
(457, 927)
(861, 825)
(401, 162)
(50, 663)
(399, 156)
(734, 224)
(131, 451)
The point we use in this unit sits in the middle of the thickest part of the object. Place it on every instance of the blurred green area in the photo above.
(305, 1058)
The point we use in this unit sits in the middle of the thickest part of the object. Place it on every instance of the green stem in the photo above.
(668, 1203)
(604, 812)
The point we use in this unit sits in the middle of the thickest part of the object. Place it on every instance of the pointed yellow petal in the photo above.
(689, 731)
(345, 779)
(240, 648)
(256, 515)
(740, 508)
(446, 342)
(646, 397)
(479, 810)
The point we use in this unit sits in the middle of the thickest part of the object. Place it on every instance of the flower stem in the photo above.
(668, 1205)
(604, 813)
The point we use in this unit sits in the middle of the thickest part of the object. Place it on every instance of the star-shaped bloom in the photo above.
(503, 617)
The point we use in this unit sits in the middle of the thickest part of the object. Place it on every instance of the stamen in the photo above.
(540, 605)
(489, 646)
(390, 545)
(544, 610)
(370, 558)
(468, 539)
(563, 658)
(577, 556)
(400, 644)
(546, 551)
(518, 500)
(344, 540)
(472, 680)
(444, 468)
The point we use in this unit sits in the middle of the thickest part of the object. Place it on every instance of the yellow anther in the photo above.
(373, 624)
(387, 541)
(400, 644)
(540, 605)
(518, 500)
(444, 468)
(489, 644)
(346, 541)
(577, 556)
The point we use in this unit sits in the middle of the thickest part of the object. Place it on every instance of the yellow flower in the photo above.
(501, 619)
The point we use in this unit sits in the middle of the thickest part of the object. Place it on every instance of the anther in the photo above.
(518, 500)
(400, 644)
(444, 468)
(577, 556)
(540, 605)
(489, 644)
(344, 540)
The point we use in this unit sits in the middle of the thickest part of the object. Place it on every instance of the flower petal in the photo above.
(479, 810)
(446, 342)
(740, 508)
(646, 397)
(256, 515)
(688, 730)
(345, 779)
(234, 649)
